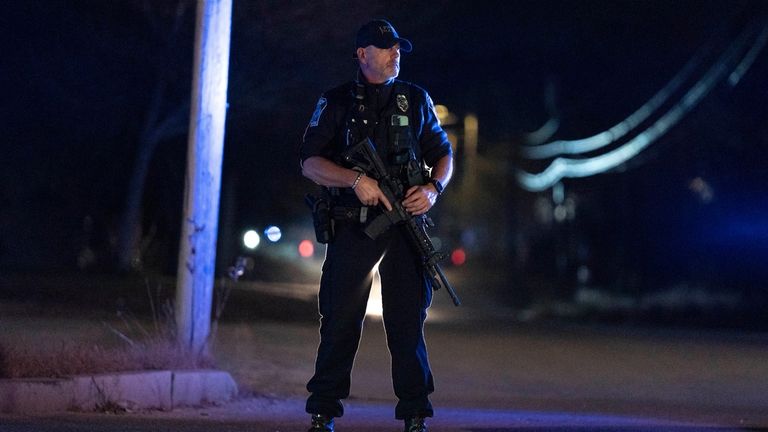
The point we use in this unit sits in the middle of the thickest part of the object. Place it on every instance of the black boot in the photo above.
(321, 423)
(415, 424)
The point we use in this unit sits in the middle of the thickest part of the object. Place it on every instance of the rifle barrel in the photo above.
(448, 287)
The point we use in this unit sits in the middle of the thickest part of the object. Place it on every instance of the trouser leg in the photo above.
(406, 297)
(344, 289)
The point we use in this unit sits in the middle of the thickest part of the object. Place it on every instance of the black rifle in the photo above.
(363, 156)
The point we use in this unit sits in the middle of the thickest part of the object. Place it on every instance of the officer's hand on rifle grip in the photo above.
(419, 199)
(368, 192)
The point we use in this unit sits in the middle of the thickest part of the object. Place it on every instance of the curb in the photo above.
(163, 390)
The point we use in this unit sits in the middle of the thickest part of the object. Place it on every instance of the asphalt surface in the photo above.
(493, 374)
(271, 416)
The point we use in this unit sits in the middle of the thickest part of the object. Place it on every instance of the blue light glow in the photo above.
(273, 233)
(742, 229)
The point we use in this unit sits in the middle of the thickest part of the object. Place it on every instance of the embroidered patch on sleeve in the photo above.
(321, 104)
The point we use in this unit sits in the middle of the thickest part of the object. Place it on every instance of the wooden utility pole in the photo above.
(197, 254)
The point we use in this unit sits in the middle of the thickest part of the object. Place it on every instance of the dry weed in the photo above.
(78, 359)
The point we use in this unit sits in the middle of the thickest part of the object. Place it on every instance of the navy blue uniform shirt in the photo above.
(326, 132)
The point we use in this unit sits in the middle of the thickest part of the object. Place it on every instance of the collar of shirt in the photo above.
(377, 96)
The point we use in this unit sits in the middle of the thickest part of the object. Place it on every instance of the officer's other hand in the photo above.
(419, 199)
(369, 194)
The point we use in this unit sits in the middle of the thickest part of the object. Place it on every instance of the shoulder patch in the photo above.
(321, 104)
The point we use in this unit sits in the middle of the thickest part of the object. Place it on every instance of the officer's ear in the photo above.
(361, 55)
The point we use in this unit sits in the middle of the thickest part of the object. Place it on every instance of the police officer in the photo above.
(400, 119)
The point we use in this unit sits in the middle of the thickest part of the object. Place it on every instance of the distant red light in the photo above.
(306, 249)
(458, 257)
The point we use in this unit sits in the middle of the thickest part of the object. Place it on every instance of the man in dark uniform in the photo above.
(400, 120)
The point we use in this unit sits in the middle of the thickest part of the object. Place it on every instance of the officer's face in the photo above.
(380, 65)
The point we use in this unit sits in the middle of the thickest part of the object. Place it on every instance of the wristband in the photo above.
(357, 179)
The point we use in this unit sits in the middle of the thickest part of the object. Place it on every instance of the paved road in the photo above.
(364, 418)
(492, 375)
(265, 415)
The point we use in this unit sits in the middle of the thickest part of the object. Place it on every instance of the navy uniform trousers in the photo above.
(344, 289)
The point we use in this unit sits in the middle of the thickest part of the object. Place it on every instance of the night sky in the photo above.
(85, 81)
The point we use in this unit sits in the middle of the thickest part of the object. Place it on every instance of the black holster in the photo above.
(321, 218)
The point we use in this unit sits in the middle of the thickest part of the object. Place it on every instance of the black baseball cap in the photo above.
(381, 34)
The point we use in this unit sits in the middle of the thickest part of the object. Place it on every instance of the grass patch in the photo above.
(80, 359)
(70, 358)
(130, 345)
(125, 344)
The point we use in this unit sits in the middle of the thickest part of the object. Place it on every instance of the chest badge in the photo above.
(402, 103)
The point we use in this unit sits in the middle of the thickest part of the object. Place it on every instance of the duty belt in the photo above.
(353, 214)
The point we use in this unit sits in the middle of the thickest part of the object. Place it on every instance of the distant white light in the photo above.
(251, 239)
(374, 308)
(273, 233)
